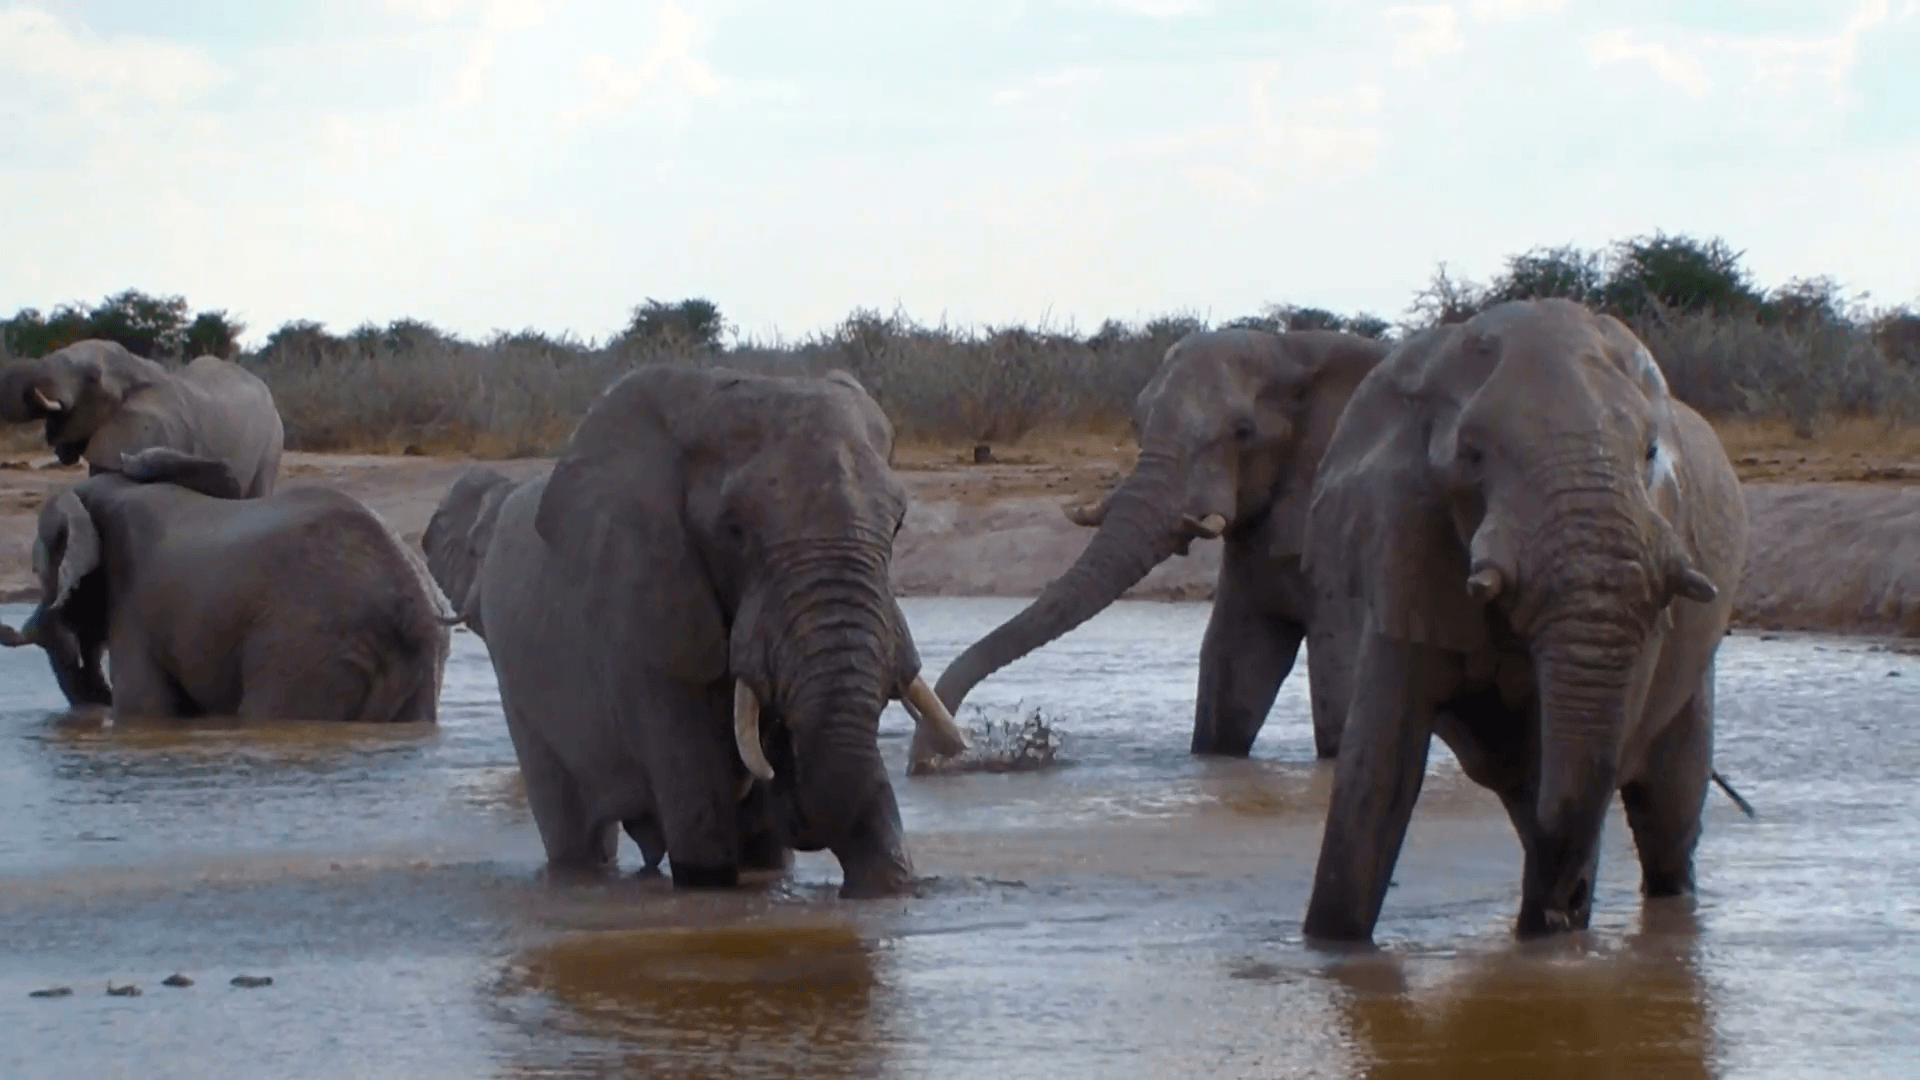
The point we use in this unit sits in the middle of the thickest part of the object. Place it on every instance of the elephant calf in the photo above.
(102, 402)
(693, 627)
(300, 606)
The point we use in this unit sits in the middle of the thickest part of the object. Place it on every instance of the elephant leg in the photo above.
(1664, 804)
(646, 834)
(1383, 758)
(1329, 686)
(1497, 747)
(1244, 658)
(141, 688)
(573, 838)
(685, 737)
(763, 838)
(873, 856)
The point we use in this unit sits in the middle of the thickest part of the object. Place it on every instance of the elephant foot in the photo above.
(688, 876)
(764, 852)
(879, 879)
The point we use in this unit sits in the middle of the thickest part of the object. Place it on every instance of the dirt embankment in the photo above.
(1835, 530)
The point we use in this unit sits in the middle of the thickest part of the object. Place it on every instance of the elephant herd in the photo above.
(1504, 532)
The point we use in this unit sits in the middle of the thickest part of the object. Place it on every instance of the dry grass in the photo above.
(1032, 394)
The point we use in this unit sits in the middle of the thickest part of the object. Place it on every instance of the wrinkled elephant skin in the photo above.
(1546, 545)
(693, 630)
(300, 605)
(1231, 432)
(103, 403)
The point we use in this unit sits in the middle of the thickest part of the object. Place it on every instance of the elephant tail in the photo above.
(1745, 806)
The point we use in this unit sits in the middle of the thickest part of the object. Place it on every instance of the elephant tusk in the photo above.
(935, 733)
(1695, 586)
(45, 402)
(1206, 528)
(1485, 584)
(746, 731)
(1087, 516)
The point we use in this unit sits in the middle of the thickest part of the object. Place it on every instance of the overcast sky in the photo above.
(490, 164)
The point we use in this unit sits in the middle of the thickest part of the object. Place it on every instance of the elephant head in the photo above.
(76, 390)
(1517, 485)
(457, 537)
(1231, 429)
(70, 621)
(741, 528)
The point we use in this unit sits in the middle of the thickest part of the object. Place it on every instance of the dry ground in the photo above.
(1836, 520)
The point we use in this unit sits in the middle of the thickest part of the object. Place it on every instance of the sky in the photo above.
(548, 164)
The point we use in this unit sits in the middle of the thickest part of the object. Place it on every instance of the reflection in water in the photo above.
(1551, 1009)
(750, 999)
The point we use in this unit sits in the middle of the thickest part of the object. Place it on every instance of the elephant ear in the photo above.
(614, 508)
(1379, 528)
(1334, 371)
(880, 432)
(73, 533)
(165, 465)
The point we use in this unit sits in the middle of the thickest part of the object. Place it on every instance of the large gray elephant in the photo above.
(102, 402)
(302, 605)
(1231, 432)
(1547, 544)
(693, 627)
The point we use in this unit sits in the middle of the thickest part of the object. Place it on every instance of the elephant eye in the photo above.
(1653, 451)
(1243, 431)
(1472, 456)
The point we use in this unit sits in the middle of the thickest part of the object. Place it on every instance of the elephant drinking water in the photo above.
(1231, 431)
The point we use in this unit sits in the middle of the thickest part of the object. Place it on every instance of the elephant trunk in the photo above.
(1587, 647)
(1140, 529)
(831, 662)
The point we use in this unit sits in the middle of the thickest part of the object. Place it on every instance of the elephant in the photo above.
(1231, 431)
(301, 605)
(1547, 545)
(103, 403)
(693, 626)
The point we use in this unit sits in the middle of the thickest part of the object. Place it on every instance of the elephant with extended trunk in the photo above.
(693, 627)
(299, 606)
(103, 403)
(1231, 431)
(1547, 545)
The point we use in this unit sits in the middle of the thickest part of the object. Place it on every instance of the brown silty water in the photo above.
(1135, 913)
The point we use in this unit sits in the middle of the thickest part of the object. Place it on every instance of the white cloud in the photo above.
(1424, 31)
(38, 47)
(1155, 9)
(1671, 65)
(1494, 10)
(1779, 67)
(669, 67)
(1040, 84)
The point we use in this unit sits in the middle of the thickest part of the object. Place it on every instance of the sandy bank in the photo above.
(1833, 556)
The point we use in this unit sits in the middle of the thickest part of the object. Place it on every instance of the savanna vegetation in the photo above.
(1800, 354)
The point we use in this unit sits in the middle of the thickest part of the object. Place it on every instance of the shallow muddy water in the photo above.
(1133, 914)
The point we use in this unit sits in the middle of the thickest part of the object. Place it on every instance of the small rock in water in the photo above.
(176, 979)
(129, 990)
(52, 991)
(251, 981)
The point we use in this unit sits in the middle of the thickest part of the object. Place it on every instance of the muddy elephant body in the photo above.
(693, 630)
(301, 605)
(101, 402)
(1231, 432)
(1546, 546)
